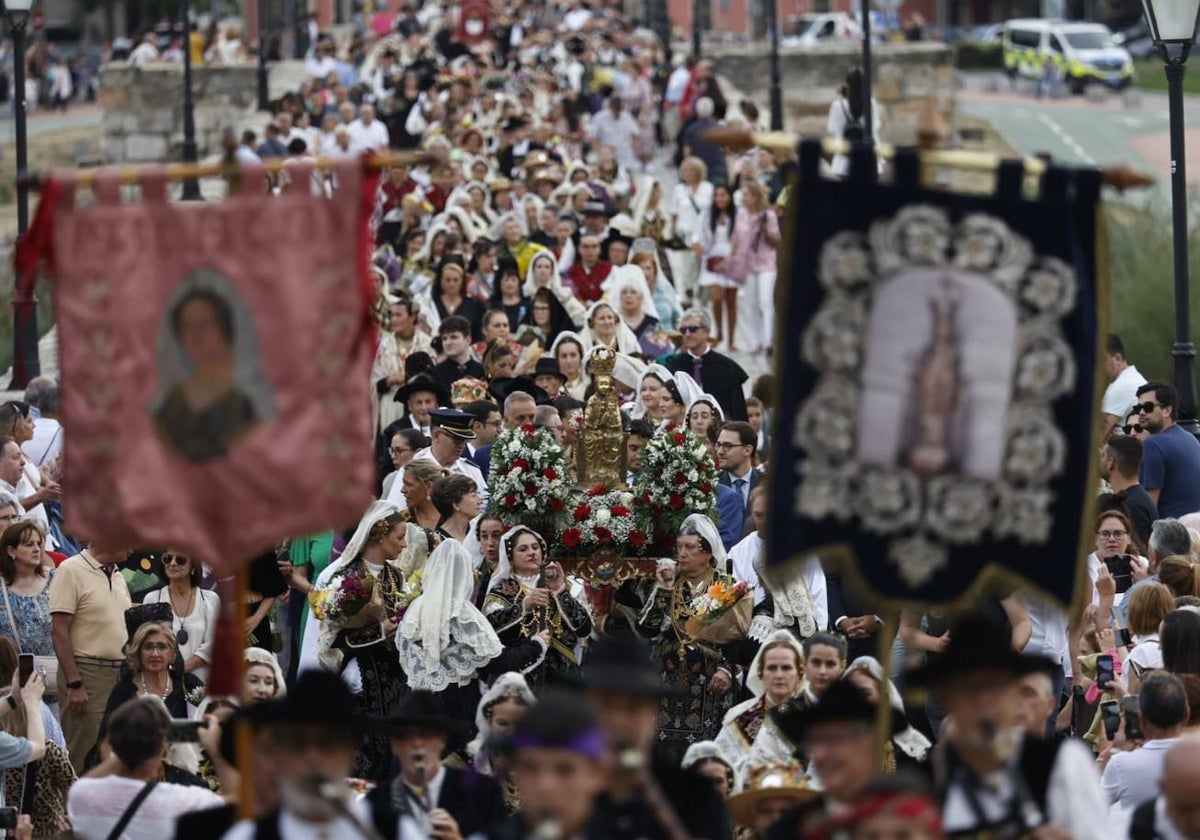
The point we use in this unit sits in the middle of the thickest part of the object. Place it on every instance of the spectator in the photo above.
(88, 599)
(1124, 380)
(715, 373)
(1174, 812)
(125, 791)
(1132, 777)
(1120, 462)
(1171, 457)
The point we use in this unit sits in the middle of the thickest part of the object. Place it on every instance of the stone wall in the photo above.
(905, 76)
(142, 119)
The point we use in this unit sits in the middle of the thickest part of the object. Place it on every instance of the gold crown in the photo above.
(603, 361)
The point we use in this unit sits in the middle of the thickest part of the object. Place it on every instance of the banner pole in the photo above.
(244, 736)
(883, 712)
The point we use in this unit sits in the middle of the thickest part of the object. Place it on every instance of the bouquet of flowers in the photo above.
(408, 593)
(344, 600)
(722, 613)
(529, 480)
(604, 519)
(679, 479)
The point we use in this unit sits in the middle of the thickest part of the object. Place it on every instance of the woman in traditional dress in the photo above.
(626, 285)
(449, 295)
(824, 664)
(568, 349)
(446, 644)
(775, 677)
(645, 255)
(703, 413)
(505, 703)
(702, 673)
(543, 273)
(359, 645)
(604, 327)
(526, 598)
(395, 346)
(908, 746)
(544, 320)
(706, 759)
(652, 386)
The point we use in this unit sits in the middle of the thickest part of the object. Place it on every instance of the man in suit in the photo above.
(716, 374)
(426, 798)
(848, 617)
(736, 445)
(519, 408)
(421, 394)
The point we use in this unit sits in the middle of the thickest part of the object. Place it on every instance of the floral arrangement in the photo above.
(344, 598)
(678, 478)
(604, 519)
(411, 589)
(722, 613)
(529, 480)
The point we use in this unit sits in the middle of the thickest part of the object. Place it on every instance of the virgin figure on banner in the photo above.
(212, 391)
(940, 352)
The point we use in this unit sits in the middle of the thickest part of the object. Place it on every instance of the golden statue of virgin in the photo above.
(600, 452)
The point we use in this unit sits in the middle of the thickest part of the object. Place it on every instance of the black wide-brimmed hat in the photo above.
(976, 643)
(617, 663)
(548, 366)
(422, 710)
(502, 386)
(842, 702)
(319, 698)
(423, 382)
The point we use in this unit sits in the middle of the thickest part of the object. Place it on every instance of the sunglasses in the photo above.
(1145, 408)
(689, 329)
(1135, 427)
(175, 559)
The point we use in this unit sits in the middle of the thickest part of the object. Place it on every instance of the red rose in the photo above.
(582, 512)
(530, 490)
(678, 438)
(510, 500)
(680, 478)
(598, 490)
(676, 501)
(603, 534)
(620, 510)
(550, 474)
(705, 487)
(657, 510)
(520, 462)
(556, 505)
(646, 498)
(637, 539)
(570, 538)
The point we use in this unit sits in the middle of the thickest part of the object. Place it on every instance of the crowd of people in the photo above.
(439, 669)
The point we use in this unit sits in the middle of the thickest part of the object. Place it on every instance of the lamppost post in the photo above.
(697, 33)
(191, 186)
(1173, 26)
(25, 330)
(264, 91)
(776, 83)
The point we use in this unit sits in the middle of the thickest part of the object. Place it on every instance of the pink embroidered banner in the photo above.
(215, 359)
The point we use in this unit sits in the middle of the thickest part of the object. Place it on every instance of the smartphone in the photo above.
(1104, 670)
(1110, 713)
(1123, 639)
(184, 731)
(1133, 719)
(1120, 566)
(25, 667)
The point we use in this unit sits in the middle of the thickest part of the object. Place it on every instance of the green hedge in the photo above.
(969, 56)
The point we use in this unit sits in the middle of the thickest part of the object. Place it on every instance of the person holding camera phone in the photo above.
(16, 751)
(1133, 766)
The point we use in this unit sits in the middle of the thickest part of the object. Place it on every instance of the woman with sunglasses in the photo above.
(194, 610)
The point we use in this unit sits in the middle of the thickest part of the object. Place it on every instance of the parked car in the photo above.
(988, 33)
(821, 28)
(1081, 53)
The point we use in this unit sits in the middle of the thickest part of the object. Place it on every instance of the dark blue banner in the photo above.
(938, 381)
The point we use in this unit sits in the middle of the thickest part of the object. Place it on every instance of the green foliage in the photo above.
(1150, 76)
(971, 56)
(1141, 276)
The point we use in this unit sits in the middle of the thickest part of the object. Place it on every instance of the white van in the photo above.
(819, 28)
(1083, 53)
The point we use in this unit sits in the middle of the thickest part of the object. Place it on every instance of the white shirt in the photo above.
(201, 625)
(677, 84)
(1132, 777)
(46, 443)
(462, 467)
(292, 827)
(1049, 637)
(1074, 798)
(690, 208)
(320, 68)
(742, 557)
(246, 157)
(364, 137)
(95, 806)
(410, 827)
(1121, 393)
(143, 53)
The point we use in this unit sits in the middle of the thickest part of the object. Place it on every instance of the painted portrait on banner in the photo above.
(212, 388)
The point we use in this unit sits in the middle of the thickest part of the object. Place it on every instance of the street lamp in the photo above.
(776, 90)
(25, 331)
(191, 186)
(1173, 25)
(697, 34)
(264, 92)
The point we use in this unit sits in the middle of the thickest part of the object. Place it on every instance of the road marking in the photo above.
(1067, 140)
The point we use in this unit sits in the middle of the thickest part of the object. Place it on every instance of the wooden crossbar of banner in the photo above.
(189, 171)
(1121, 177)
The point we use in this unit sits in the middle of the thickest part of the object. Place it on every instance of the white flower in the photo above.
(626, 499)
(602, 516)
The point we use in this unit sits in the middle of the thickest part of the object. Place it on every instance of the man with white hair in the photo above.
(715, 373)
(368, 133)
(1175, 813)
(695, 144)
